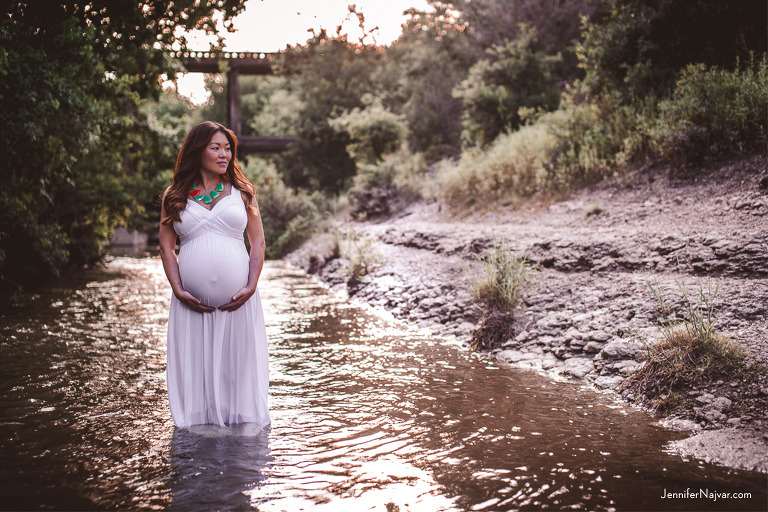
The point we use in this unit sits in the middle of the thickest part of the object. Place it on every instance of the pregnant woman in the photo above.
(217, 345)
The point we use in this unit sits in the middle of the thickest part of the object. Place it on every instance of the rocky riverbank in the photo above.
(590, 313)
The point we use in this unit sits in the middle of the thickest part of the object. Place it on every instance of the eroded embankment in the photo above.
(590, 313)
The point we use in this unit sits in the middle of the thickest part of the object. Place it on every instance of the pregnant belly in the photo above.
(212, 273)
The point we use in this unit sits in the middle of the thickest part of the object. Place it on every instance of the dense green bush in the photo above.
(372, 131)
(596, 140)
(714, 112)
(289, 216)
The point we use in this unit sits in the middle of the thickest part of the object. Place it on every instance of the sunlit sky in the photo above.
(270, 25)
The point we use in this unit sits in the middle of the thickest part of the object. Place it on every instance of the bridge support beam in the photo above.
(245, 64)
(233, 102)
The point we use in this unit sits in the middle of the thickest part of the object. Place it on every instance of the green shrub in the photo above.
(596, 140)
(289, 216)
(714, 112)
(513, 76)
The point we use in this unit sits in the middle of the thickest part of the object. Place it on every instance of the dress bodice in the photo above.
(227, 217)
(213, 260)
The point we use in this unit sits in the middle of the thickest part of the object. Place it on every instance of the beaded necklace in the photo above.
(206, 198)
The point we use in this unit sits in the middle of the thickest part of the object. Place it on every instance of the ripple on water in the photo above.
(367, 415)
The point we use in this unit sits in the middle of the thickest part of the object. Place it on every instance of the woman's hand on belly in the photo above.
(238, 299)
(193, 302)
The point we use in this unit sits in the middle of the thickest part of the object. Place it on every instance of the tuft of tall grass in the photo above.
(503, 278)
(691, 353)
(698, 316)
(360, 251)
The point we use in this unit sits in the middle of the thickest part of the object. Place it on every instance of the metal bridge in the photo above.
(236, 64)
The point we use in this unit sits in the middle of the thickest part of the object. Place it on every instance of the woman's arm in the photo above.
(255, 232)
(171, 266)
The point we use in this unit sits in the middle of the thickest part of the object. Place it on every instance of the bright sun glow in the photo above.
(270, 25)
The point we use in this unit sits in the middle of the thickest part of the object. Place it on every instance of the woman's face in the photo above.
(216, 155)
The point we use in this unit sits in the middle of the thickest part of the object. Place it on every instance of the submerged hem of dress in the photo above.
(233, 429)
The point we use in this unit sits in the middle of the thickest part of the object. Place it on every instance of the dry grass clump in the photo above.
(514, 167)
(680, 363)
(361, 253)
(503, 278)
(691, 354)
(501, 283)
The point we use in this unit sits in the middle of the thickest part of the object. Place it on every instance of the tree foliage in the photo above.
(639, 47)
(496, 22)
(83, 152)
(515, 77)
(330, 76)
(432, 55)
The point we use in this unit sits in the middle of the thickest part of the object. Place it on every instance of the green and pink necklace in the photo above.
(206, 198)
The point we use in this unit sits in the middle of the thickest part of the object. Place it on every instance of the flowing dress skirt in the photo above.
(218, 365)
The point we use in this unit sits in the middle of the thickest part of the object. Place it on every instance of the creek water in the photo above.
(367, 414)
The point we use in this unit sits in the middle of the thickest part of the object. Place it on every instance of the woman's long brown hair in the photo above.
(187, 170)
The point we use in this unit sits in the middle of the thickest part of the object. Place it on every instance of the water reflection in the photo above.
(213, 465)
(366, 415)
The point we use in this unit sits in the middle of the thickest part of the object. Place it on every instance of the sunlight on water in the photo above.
(367, 414)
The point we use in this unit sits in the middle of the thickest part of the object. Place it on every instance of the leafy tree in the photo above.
(421, 68)
(81, 152)
(496, 22)
(638, 47)
(514, 77)
(329, 75)
(373, 131)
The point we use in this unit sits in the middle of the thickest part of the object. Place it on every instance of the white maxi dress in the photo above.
(218, 370)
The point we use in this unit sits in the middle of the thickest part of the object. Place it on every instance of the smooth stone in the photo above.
(578, 367)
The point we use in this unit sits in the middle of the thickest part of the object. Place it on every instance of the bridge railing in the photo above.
(246, 63)
(224, 55)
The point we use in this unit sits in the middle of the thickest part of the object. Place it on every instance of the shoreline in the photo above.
(589, 313)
